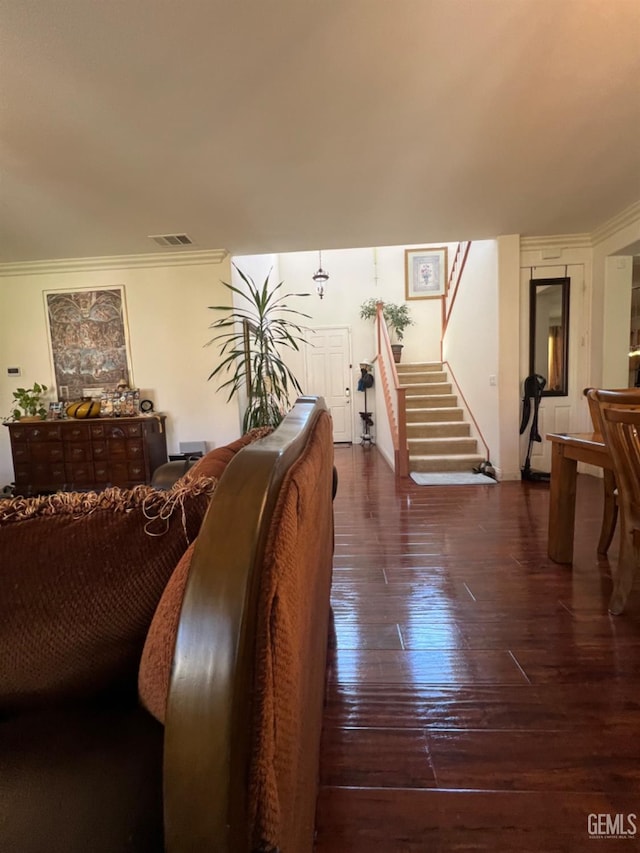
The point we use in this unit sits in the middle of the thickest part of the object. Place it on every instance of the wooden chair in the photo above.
(610, 511)
(619, 413)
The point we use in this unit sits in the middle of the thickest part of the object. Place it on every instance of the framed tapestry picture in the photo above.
(88, 339)
(425, 273)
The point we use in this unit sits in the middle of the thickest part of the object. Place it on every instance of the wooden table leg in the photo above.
(562, 505)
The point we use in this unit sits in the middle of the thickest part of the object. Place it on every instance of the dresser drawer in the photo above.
(125, 448)
(46, 451)
(37, 432)
(119, 430)
(79, 474)
(43, 475)
(102, 472)
(22, 473)
(77, 451)
(21, 452)
(127, 473)
(99, 450)
(76, 432)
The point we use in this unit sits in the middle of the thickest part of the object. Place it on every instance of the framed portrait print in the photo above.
(88, 339)
(425, 273)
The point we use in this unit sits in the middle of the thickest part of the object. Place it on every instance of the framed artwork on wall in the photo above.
(88, 339)
(425, 272)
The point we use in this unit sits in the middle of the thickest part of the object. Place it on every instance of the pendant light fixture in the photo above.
(320, 277)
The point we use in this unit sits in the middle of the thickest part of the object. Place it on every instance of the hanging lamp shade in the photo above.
(320, 277)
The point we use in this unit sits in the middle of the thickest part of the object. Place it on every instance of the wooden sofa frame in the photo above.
(211, 708)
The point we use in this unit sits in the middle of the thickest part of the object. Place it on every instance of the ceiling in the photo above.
(283, 125)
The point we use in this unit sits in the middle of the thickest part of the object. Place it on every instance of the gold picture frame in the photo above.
(425, 273)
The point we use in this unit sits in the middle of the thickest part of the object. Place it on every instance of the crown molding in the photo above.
(115, 262)
(557, 241)
(629, 216)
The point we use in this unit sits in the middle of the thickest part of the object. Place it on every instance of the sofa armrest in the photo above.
(257, 596)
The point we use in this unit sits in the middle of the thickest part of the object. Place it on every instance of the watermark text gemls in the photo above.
(612, 825)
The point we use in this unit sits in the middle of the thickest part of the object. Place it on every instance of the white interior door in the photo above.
(328, 374)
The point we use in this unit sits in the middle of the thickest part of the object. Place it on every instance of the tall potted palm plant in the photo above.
(251, 337)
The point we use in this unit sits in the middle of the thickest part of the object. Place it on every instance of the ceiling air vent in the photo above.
(171, 240)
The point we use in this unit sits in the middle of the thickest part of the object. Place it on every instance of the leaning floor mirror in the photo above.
(549, 333)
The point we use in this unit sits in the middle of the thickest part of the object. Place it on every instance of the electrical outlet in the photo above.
(493, 380)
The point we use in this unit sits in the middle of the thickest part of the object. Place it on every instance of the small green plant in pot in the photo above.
(396, 317)
(28, 403)
(251, 339)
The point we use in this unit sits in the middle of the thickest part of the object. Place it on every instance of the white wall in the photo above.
(382, 430)
(507, 456)
(168, 329)
(471, 344)
(617, 321)
(257, 267)
(621, 237)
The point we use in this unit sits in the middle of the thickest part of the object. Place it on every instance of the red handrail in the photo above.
(391, 386)
(457, 268)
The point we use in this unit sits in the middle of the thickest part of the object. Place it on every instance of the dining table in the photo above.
(567, 449)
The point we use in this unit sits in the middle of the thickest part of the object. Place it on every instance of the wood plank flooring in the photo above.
(480, 697)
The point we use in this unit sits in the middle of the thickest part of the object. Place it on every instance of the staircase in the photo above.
(438, 436)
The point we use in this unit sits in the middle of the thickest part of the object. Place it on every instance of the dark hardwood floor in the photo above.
(480, 697)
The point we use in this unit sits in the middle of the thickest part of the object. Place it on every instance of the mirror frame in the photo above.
(534, 284)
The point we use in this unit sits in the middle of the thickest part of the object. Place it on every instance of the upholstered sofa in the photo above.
(162, 655)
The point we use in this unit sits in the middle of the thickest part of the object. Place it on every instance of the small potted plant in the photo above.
(397, 318)
(28, 403)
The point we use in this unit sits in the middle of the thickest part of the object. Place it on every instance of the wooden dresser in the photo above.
(81, 455)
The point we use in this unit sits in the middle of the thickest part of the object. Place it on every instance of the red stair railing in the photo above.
(394, 396)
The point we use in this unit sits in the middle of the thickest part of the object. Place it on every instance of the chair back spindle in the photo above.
(619, 414)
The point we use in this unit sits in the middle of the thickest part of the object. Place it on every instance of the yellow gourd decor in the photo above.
(84, 409)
